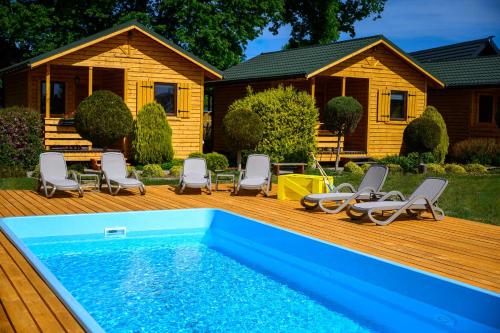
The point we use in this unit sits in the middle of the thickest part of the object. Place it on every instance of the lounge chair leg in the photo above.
(333, 211)
(353, 216)
(80, 192)
(49, 195)
(307, 206)
(142, 189)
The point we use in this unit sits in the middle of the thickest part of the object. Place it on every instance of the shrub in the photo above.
(20, 138)
(455, 169)
(196, 155)
(152, 171)
(353, 168)
(170, 164)
(13, 171)
(426, 158)
(288, 122)
(394, 168)
(152, 137)
(480, 150)
(103, 118)
(365, 167)
(422, 135)
(242, 130)
(342, 115)
(407, 163)
(441, 149)
(435, 168)
(176, 170)
(475, 168)
(216, 161)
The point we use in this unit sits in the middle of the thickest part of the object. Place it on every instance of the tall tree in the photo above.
(322, 21)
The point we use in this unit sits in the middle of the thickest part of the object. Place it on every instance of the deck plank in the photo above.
(455, 248)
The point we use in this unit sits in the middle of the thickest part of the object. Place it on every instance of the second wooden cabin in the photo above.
(391, 86)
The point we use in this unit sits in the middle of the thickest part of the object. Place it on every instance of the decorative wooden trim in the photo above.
(47, 91)
(125, 85)
(91, 79)
(202, 107)
(312, 86)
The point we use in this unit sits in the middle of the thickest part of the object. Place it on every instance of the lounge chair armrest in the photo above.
(240, 177)
(344, 185)
(134, 174)
(209, 174)
(420, 197)
(74, 175)
(392, 194)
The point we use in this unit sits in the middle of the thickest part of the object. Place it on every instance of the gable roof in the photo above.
(468, 72)
(105, 34)
(311, 60)
(465, 50)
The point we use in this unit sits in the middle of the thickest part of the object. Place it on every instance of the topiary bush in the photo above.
(353, 168)
(20, 138)
(395, 168)
(480, 150)
(435, 168)
(288, 122)
(216, 161)
(342, 115)
(152, 137)
(242, 129)
(103, 118)
(441, 149)
(422, 135)
(152, 171)
(475, 168)
(455, 169)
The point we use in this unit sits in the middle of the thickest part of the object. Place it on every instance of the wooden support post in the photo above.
(343, 85)
(312, 83)
(125, 84)
(47, 91)
(202, 87)
(91, 78)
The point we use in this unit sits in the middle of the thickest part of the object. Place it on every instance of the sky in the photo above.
(413, 25)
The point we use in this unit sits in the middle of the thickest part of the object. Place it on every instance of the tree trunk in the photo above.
(337, 158)
(238, 159)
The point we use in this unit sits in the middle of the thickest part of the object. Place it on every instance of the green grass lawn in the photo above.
(469, 197)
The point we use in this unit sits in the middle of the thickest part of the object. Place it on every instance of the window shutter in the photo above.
(145, 93)
(183, 99)
(384, 96)
(412, 105)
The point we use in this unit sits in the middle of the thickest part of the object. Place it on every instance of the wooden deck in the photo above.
(459, 249)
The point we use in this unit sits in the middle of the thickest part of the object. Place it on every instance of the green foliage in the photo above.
(395, 168)
(216, 161)
(365, 167)
(12, 171)
(242, 128)
(196, 155)
(130, 168)
(103, 118)
(342, 114)
(322, 21)
(152, 137)
(408, 163)
(441, 149)
(435, 168)
(475, 168)
(353, 168)
(285, 138)
(480, 150)
(455, 169)
(20, 139)
(176, 170)
(422, 135)
(170, 164)
(152, 171)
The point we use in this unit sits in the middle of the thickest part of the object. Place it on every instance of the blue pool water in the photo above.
(173, 282)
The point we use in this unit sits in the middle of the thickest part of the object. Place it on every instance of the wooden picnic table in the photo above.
(298, 167)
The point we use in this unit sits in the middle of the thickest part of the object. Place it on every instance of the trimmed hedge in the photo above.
(395, 168)
(441, 149)
(216, 161)
(152, 171)
(20, 139)
(288, 122)
(365, 167)
(455, 169)
(152, 138)
(475, 168)
(480, 150)
(353, 168)
(435, 168)
(103, 118)
(422, 135)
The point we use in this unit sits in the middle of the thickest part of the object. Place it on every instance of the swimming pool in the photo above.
(212, 270)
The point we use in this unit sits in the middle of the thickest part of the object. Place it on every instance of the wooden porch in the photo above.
(458, 249)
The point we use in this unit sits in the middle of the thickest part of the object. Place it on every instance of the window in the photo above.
(485, 108)
(57, 98)
(165, 95)
(398, 105)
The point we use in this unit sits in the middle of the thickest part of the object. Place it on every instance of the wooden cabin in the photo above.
(471, 73)
(130, 60)
(390, 85)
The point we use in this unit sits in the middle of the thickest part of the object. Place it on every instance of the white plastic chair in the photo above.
(257, 174)
(195, 175)
(54, 175)
(114, 169)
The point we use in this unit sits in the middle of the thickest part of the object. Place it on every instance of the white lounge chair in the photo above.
(423, 199)
(371, 184)
(54, 175)
(114, 170)
(195, 175)
(257, 174)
